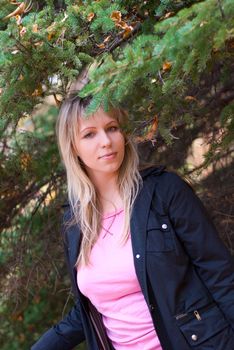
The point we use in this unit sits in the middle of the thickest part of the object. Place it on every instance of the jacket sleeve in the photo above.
(201, 241)
(68, 332)
(63, 336)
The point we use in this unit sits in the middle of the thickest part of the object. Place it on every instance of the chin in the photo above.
(110, 169)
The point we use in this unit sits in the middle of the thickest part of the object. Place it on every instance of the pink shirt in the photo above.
(111, 284)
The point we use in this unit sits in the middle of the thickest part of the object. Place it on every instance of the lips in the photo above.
(109, 155)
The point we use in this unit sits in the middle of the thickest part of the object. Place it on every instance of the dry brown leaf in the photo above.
(35, 28)
(190, 98)
(38, 91)
(51, 31)
(25, 160)
(18, 19)
(90, 16)
(121, 24)
(107, 39)
(149, 136)
(20, 318)
(153, 129)
(101, 46)
(167, 66)
(116, 16)
(127, 32)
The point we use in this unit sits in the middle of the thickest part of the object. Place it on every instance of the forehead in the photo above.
(99, 118)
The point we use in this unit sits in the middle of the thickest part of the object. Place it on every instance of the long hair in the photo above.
(82, 194)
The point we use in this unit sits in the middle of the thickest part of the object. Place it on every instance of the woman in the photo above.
(147, 267)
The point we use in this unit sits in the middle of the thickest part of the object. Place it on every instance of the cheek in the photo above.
(85, 155)
(80, 152)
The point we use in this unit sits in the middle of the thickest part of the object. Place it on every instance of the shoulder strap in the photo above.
(96, 318)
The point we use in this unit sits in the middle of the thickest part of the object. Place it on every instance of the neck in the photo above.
(107, 192)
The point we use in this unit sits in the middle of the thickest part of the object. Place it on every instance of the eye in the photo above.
(88, 135)
(113, 128)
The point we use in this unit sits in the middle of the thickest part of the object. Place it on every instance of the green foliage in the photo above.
(227, 125)
(187, 43)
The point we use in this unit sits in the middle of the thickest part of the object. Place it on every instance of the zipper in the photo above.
(196, 313)
(178, 317)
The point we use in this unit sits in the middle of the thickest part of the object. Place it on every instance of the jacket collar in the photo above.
(152, 171)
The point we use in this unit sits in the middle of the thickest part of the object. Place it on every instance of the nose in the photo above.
(105, 139)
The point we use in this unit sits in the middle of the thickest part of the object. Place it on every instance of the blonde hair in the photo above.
(82, 194)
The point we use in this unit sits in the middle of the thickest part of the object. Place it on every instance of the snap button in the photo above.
(164, 226)
(138, 256)
(194, 337)
(151, 307)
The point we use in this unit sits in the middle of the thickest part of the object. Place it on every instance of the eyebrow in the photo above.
(93, 127)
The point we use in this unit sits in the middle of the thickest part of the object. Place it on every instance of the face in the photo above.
(100, 144)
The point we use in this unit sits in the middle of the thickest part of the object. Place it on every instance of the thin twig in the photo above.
(160, 77)
(221, 9)
(65, 305)
(224, 214)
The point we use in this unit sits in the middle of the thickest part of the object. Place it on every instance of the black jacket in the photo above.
(185, 272)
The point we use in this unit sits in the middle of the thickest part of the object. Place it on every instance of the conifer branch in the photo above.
(221, 9)
(120, 39)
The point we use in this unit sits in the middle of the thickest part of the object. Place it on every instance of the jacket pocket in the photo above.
(202, 324)
(159, 235)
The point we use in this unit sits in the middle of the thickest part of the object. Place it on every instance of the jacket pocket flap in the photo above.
(154, 223)
(211, 322)
(159, 235)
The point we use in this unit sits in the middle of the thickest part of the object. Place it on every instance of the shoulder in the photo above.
(167, 186)
(165, 179)
(68, 223)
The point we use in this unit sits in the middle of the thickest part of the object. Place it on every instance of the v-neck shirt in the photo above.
(111, 284)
